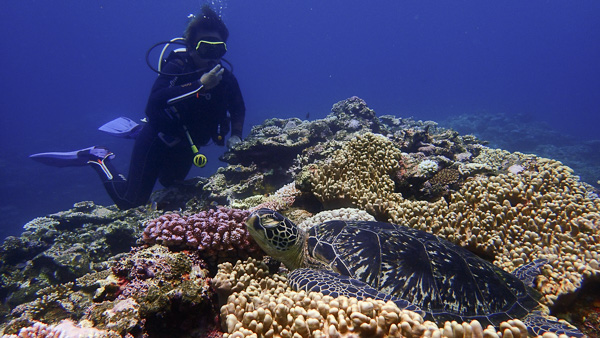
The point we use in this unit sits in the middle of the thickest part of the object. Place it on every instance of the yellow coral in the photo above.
(543, 212)
(359, 174)
(263, 305)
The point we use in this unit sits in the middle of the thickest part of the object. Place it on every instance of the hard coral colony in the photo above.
(199, 273)
(216, 232)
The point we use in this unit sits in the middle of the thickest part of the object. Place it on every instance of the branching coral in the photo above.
(281, 199)
(216, 233)
(543, 212)
(359, 174)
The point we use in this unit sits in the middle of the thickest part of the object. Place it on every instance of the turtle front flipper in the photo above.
(335, 285)
(527, 273)
(539, 323)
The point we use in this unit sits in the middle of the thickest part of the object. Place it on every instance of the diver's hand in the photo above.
(212, 78)
(233, 140)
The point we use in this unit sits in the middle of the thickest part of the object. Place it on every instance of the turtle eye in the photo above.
(270, 223)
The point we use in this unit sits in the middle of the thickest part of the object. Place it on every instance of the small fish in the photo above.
(307, 116)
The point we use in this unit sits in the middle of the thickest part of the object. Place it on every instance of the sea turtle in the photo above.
(415, 269)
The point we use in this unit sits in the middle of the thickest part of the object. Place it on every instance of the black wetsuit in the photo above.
(161, 149)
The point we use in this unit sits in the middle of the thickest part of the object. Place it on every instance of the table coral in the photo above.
(216, 233)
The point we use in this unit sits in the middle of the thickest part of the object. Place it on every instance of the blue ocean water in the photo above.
(67, 67)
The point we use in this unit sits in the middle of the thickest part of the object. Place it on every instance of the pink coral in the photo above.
(219, 232)
(281, 199)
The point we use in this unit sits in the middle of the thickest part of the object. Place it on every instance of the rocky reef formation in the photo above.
(56, 249)
(520, 133)
(197, 270)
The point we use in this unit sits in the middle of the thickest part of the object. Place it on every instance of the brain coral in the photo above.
(542, 212)
(359, 174)
(262, 304)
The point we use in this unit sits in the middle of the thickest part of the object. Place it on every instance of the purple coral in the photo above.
(214, 232)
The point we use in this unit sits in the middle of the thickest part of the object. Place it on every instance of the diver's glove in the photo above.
(212, 78)
(233, 140)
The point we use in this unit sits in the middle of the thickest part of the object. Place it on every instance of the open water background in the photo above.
(69, 66)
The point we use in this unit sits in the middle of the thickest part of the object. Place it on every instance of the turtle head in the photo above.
(279, 237)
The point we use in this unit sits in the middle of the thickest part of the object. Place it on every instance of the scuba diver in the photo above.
(194, 100)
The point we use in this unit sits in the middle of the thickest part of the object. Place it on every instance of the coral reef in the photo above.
(282, 137)
(58, 248)
(217, 233)
(148, 291)
(154, 290)
(508, 207)
(543, 212)
(518, 132)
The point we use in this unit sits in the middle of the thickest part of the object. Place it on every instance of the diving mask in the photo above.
(211, 49)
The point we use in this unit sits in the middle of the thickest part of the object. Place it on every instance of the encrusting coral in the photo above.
(153, 291)
(261, 304)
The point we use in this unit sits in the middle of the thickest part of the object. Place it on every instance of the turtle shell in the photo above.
(445, 280)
